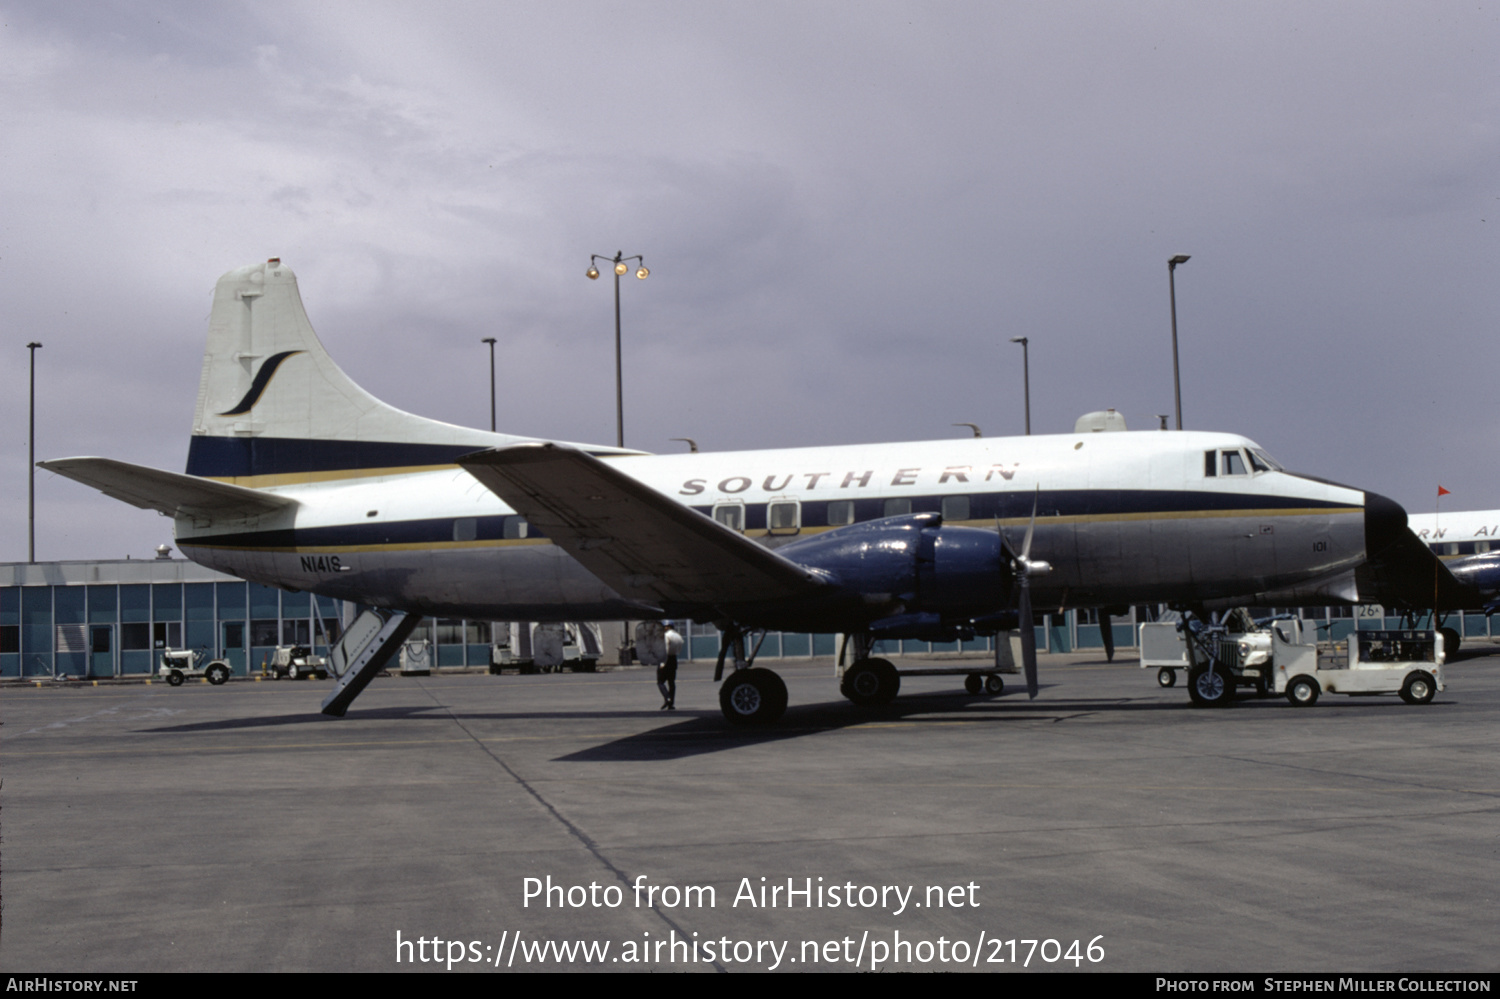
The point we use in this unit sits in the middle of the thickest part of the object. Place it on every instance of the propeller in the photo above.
(1024, 568)
(1107, 632)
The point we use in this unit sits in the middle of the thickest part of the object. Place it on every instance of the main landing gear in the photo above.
(751, 695)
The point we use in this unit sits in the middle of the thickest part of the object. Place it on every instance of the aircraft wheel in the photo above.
(1419, 688)
(973, 683)
(752, 697)
(1303, 691)
(1166, 677)
(993, 685)
(1451, 640)
(217, 674)
(1211, 687)
(175, 678)
(871, 681)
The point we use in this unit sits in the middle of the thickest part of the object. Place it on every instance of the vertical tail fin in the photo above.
(273, 407)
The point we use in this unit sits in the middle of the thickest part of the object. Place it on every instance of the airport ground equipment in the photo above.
(547, 646)
(297, 662)
(367, 645)
(176, 665)
(1408, 662)
(1272, 656)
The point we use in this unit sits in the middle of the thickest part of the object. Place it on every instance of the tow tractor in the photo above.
(179, 664)
(297, 662)
(1271, 656)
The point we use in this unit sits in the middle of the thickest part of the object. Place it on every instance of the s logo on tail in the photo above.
(258, 386)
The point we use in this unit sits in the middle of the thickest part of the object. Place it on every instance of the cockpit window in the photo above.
(1259, 457)
(1234, 463)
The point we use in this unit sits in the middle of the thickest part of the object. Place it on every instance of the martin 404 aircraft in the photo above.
(298, 478)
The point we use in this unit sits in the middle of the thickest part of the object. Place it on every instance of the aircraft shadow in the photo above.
(708, 732)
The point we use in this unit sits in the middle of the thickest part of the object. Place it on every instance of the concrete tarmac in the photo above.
(1107, 825)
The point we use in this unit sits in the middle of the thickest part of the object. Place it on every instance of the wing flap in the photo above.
(645, 545)
(171, 493)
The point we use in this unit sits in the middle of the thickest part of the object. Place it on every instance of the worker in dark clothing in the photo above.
(666, 673)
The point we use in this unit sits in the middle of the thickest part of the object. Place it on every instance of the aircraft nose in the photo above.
(1385, 522)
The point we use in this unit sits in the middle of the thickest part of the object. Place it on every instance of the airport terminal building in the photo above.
(113, 618)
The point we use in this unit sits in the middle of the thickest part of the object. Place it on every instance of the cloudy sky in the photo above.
(848, 210)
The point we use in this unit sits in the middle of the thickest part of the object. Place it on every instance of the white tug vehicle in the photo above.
(1271, 656)
(176, 665)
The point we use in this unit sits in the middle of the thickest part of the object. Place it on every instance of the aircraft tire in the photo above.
(871, 682)
(973, 683)
(1419, 688)
(752, 697)
(1211, 687)
(217, 674)
(1166, 677)
(993, 685)
(175, 678)
(1303, 691)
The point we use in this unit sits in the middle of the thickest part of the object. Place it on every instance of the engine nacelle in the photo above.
(914, 563)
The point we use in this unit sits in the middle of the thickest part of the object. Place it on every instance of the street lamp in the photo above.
(1181, 258)
(1026, 375)
(491, 341)
(31, 465)
(618, 260)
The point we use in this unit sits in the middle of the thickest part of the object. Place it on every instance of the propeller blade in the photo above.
(1031, 525)
(1028, 635)
(1107, 632)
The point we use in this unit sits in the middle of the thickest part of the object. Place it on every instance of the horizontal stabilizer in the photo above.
(171, 493)
(645, 545)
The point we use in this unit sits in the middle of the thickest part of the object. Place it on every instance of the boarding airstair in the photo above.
(366, 647)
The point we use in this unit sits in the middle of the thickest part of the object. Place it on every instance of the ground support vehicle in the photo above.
(548, 646)
(1272, 657)
(297, 662)
(1404, 662)
(176, 665)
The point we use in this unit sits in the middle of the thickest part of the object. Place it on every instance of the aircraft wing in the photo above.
(643, 544)
(171, 493)
(1406, 573)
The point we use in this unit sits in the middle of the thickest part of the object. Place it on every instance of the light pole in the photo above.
(618, 260)
(31, 465)
(491, 341)
(1181, 258)
(1025, 375)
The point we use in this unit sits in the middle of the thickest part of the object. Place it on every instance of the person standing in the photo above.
(666, 673)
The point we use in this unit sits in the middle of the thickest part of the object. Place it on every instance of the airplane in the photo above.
(298, 478)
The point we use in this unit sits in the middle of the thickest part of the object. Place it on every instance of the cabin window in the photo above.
(840, 513)
(955, 508)
(897, 507)
(781, 518)
(731, 515)
(465, 529)
(516, 527)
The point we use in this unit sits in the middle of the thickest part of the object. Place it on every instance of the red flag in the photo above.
(1443, 492)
